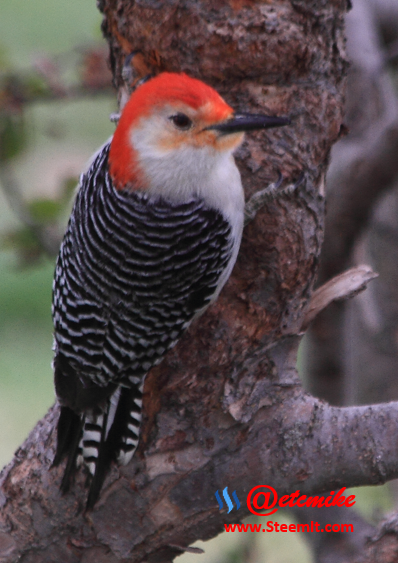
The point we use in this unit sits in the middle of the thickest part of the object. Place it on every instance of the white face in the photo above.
(177, 153)
(175, 126)
(179, 158)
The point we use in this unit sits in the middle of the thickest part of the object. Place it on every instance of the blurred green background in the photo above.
(61, 136)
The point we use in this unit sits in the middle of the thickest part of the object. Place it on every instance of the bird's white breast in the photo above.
(190, 171)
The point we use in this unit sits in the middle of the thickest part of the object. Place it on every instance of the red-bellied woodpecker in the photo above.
(153, 236)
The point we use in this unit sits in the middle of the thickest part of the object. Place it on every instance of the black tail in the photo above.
(69, 433)
(99, 439)
(119, 437)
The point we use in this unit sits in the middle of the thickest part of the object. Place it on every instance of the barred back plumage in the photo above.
(132, 273)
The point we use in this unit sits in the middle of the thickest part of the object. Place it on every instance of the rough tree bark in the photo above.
(226, 407)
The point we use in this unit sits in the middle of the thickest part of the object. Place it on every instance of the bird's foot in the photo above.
(271, 192)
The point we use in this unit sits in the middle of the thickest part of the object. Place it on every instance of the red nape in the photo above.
(167, 88)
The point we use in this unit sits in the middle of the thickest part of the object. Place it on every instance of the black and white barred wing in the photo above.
(132, 273)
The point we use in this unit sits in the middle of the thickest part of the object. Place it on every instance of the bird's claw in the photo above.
(271, 192)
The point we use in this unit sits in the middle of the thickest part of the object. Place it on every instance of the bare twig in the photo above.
(344, 286)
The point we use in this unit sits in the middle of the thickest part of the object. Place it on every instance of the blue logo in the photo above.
(227, 499)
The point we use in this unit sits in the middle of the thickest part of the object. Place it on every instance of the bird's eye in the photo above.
(181, 121)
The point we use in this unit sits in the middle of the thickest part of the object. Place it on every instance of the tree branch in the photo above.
(226, 406)
(167, 497)
(342, 287)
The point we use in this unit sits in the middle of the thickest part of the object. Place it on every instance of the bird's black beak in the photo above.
(241, 122)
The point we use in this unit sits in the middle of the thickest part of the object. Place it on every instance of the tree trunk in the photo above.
(225, 408)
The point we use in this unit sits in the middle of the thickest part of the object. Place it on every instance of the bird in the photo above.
(152, 238)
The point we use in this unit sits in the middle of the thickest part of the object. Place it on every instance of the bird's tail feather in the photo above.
(98, 439)
(119, 437)
(69, 432)
(125, 430)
